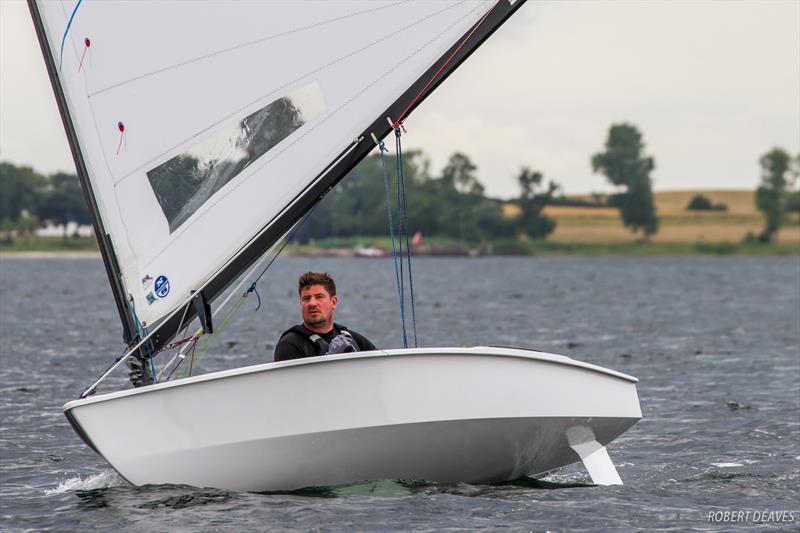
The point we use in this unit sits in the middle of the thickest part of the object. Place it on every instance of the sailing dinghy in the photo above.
(201, 134)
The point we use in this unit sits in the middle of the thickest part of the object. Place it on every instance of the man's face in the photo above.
(317, 307)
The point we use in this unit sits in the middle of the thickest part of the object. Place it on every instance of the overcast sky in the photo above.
(711, 85)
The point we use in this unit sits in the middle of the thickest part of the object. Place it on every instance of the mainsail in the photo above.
(202, 131)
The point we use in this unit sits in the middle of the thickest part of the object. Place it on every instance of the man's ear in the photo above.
(334, 301)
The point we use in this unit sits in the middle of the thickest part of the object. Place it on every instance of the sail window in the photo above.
(185, 182)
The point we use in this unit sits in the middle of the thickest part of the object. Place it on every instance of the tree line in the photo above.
(449, 204)
(29, 199)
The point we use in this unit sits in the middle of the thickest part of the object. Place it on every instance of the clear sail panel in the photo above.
(185, 182)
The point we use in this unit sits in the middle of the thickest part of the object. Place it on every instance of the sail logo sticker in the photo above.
(162, 286)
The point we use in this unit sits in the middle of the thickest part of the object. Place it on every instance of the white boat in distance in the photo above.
(475, 415)
(199, 145)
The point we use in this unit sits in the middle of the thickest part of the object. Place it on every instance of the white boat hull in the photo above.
(442, 414)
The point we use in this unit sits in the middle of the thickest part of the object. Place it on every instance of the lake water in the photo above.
(714, 341)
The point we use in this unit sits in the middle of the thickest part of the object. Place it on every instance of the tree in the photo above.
(771, 195)
(21, 189)
(624, 164)
(7, 228)
(64, 202)
(460, 173)
(793, 202)
(533, 198)
(701, 202)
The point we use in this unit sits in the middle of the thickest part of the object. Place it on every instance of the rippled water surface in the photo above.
(714, 341)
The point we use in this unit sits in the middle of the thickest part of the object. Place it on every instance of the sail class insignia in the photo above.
(161, 286)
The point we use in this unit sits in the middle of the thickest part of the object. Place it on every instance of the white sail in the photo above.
(199, 122)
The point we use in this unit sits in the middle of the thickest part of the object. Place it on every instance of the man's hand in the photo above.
(342, 343)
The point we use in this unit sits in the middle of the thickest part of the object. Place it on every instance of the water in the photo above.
(714, 341)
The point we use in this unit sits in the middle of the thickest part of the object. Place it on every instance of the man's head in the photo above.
(318, 300)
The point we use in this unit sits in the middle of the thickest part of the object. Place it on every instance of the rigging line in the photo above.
(253, 289)
(191, 364)
(447, 62)
(180, 324)
(180, 354)
(400, 231)
(286, 240)
(66, 31)
(141, 330)
(243, 45)
(381, 149)
(404, 213)
(123, 355)
(213, 340)
(178, 343)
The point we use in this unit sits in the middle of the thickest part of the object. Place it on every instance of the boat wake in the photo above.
(103, 480)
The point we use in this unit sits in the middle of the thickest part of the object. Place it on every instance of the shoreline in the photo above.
(38, 254)
(565, 251)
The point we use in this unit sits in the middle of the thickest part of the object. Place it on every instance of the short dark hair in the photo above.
(316, 278)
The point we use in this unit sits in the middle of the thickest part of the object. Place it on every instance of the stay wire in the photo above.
(381, 149)
(404, 213)
(400, 231)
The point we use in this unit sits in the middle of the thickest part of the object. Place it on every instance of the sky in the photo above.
(712, 86)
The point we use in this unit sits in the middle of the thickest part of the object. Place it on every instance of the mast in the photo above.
(345, 161)
(106, 247)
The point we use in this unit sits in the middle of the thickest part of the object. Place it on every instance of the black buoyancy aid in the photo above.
(315, 338)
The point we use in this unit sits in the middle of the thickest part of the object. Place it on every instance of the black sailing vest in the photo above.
(321, 343)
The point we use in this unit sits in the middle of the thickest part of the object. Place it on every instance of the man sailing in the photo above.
(318, 334)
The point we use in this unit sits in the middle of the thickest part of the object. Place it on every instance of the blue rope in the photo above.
(66, 31)
(253, 289)
(382, 149)
(404, 213)
(142, 331)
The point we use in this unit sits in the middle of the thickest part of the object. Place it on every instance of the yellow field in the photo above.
(603, 225)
